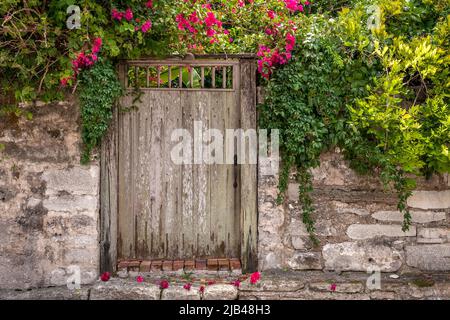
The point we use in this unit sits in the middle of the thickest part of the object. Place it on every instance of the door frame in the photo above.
(248, 172)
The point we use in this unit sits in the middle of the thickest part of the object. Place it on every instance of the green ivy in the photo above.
(99, 89)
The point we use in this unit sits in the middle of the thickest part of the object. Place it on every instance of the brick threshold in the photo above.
(158, 265)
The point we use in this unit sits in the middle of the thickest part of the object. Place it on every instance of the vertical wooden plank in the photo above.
(142, 183)
(188, 230)
(156, 223)
(248, 171)
(213, 77)
(108, 198)
(125, 217)
(220, 216)
(172, 172)
(202, 184)
(231, 117)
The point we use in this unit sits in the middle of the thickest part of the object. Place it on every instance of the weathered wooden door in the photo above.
(194, 209)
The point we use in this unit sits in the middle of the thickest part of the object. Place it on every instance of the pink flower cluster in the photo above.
(293, 5)
(118, 15)
(128, 15)
(255, 277)
(193, 23)
(188, 23)
(146, 26)
(187, 286)
(271, 58)
(84, 60)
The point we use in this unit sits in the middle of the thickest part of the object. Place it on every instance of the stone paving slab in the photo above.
(311, 285)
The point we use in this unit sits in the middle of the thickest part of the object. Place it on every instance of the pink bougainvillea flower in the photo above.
(128, 14)
(187, 286)
(116, 15)
(146, 26)
(105, 276)
(333, 287)
(236, 283)
(193, 18)
(64, 81)
(254, 278)
(97, 44)
(139, 279)
(202, 289)
(293, 5)
(210, 32)
(164, 284)
(149, 4)
(271, 14)
(210, 19)
(211, 282)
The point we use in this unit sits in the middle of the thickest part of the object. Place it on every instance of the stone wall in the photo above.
(48, 202)
(357, 224)
(49, 212)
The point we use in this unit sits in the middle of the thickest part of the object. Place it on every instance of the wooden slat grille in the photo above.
(185, 75)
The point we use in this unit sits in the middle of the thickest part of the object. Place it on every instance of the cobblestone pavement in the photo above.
(273, 286)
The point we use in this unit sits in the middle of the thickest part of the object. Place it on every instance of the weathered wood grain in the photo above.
(168, 210)
(248, 172)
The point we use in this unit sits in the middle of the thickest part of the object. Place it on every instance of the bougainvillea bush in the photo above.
(40, 53)
(368, 76)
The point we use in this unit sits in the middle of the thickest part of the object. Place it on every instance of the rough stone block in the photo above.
(71, 203)
(118, 289)
(276, 285)
(179, 293)
(76, 180)
(429, 257)
(220, 292)
(416, 216)
(305, 261)
(343, 287)
(430, 199)
(361, 256)
(368, 231)
(433, 235)
(342, 207)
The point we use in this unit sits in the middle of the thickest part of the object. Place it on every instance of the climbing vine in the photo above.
(99, 89)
